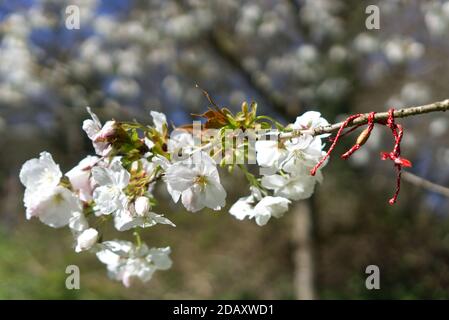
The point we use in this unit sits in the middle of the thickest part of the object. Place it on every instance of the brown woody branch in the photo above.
(440, 106)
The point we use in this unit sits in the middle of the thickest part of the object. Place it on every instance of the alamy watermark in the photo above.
(72, 20)
(373, 280)
(372, 21)
(72, 282)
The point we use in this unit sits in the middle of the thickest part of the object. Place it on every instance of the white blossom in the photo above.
(258, 207)
(110, 198)
(44, 198)
(109, 195)
(304, 153)
(270, 207)
(41, 174)
(98, 133)
(56, 208)
(125, 261)
(244, 206)
(197, 183)
(293, 187)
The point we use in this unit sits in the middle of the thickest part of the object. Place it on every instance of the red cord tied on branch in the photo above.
(394, 155)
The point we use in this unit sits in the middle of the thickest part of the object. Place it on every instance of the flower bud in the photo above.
(363, 137)
(86, 239)
(142, 206)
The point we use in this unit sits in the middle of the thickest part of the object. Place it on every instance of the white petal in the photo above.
(102, 176)
(215, 196)
(42, 173)
(159, 120)
(179, 144)
(270, 207)
(160, 257)
(107, 200)
(91, 128)
(78, 222)
(151, 216)
(180, 177)
(57, 210)
(274, 181)
(124, 220)
(148, 143)
(268, 153)
(310, 120)
(242, 208)
(262, 218)
(192, 199)
(79, 177)
(175, 194)
(276, 206)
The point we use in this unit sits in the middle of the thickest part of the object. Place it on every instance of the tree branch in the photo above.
(424, 183)
(439, 106)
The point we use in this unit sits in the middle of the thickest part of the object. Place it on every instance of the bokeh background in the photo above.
(290, 56)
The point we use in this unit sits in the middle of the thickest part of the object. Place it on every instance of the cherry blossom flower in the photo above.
(293, 187)
(197, 183)
(244, 206)
(44, 198)
(304, 151)
(258, 207)
(109, 195)
(270, 207)
(98, 133)
(41, 174)
(56, 207)
(110, 198)
(125, 261)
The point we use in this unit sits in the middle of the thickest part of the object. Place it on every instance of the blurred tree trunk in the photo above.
(303, 257)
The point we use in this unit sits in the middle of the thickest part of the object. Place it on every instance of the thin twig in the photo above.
(440, 106)
(424, 183)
